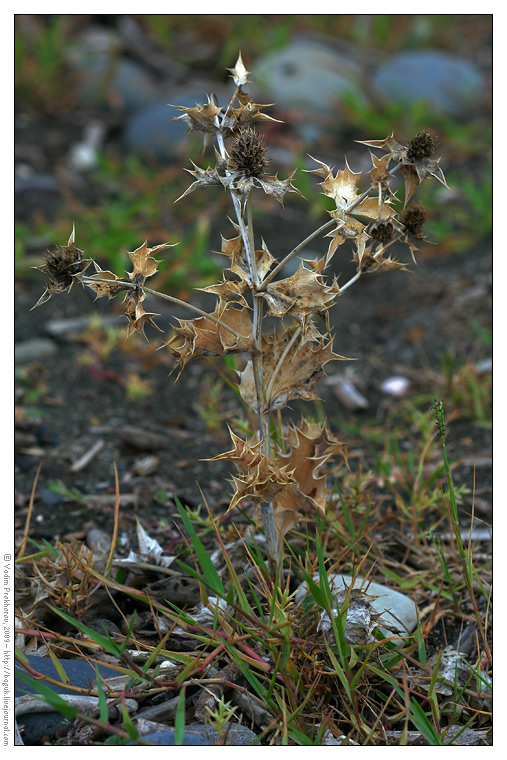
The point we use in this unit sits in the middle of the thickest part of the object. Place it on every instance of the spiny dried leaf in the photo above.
(343, 189)
(205, 336)
(311, 447)
(388, 144)
(239, 72)
(109, 289)
(143, 261)
(379, 173)
(205, 177)
(247, 113)
(348, 229)
(201, 118)
(259, 477)
(138, 318)
(228, 291)
(370, 263)
(278, 187)
(235, 250)
(303, 293)
(263, 261)
(296, 375)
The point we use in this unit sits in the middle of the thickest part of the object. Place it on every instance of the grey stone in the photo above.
(445, 82)
(398, 610)
(238, 735)
(112, 84)
(35, 726)
(34, 350)
(308, 77)
(166, 738)
(79, 672)
(155, 129)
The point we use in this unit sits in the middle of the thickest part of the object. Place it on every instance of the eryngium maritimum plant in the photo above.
(284, 363)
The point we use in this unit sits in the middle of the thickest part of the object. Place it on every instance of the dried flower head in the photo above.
(421, 146)
(62, 267)
(248, 153)
(413, 220)
(415, 159)
(382, 231)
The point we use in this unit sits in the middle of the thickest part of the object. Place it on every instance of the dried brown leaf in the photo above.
(311, 447)
(303, 293)
(201, 118)
(205, 336)
(259, 477)
(290, 375)
(109, 289)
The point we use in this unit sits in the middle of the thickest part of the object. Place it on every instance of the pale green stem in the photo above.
(294, 251)
(257, 361)
(131, 286)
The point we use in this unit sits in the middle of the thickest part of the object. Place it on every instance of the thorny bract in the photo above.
(284, 363)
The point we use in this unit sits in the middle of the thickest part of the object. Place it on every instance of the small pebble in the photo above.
(395, 386)
(34, 350)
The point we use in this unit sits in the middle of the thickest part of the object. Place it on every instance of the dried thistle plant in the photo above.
(285, 363)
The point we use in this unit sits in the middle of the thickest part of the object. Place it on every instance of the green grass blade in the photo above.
(212, 578)
(105, 642)
(179, 721)
(59, 667)
(423, 724)
(104, 717)
(48, 696)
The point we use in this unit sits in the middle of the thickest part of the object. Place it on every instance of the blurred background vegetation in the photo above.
(123, 197)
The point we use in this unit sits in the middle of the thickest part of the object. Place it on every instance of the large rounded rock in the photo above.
(398, 610)
(307, 74)
(445, 82)
(114, 85)
(156, 132)
(309, 79)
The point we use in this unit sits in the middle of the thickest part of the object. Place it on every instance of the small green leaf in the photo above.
(48, 696)
(212, 578)
(105, 642)
(179, 721)
(59, 667)
(104, 713)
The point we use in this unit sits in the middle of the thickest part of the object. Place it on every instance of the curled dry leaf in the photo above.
(201, 118)
(294, 373)
(246, 114)
(303, 293)
(234, 249)
(343, 189)
(206, 336)
(106, 289)
(370, 263)
(204, 178)
(259, 477)
(311, 447)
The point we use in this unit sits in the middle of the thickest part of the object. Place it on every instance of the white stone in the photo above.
(397, 609)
